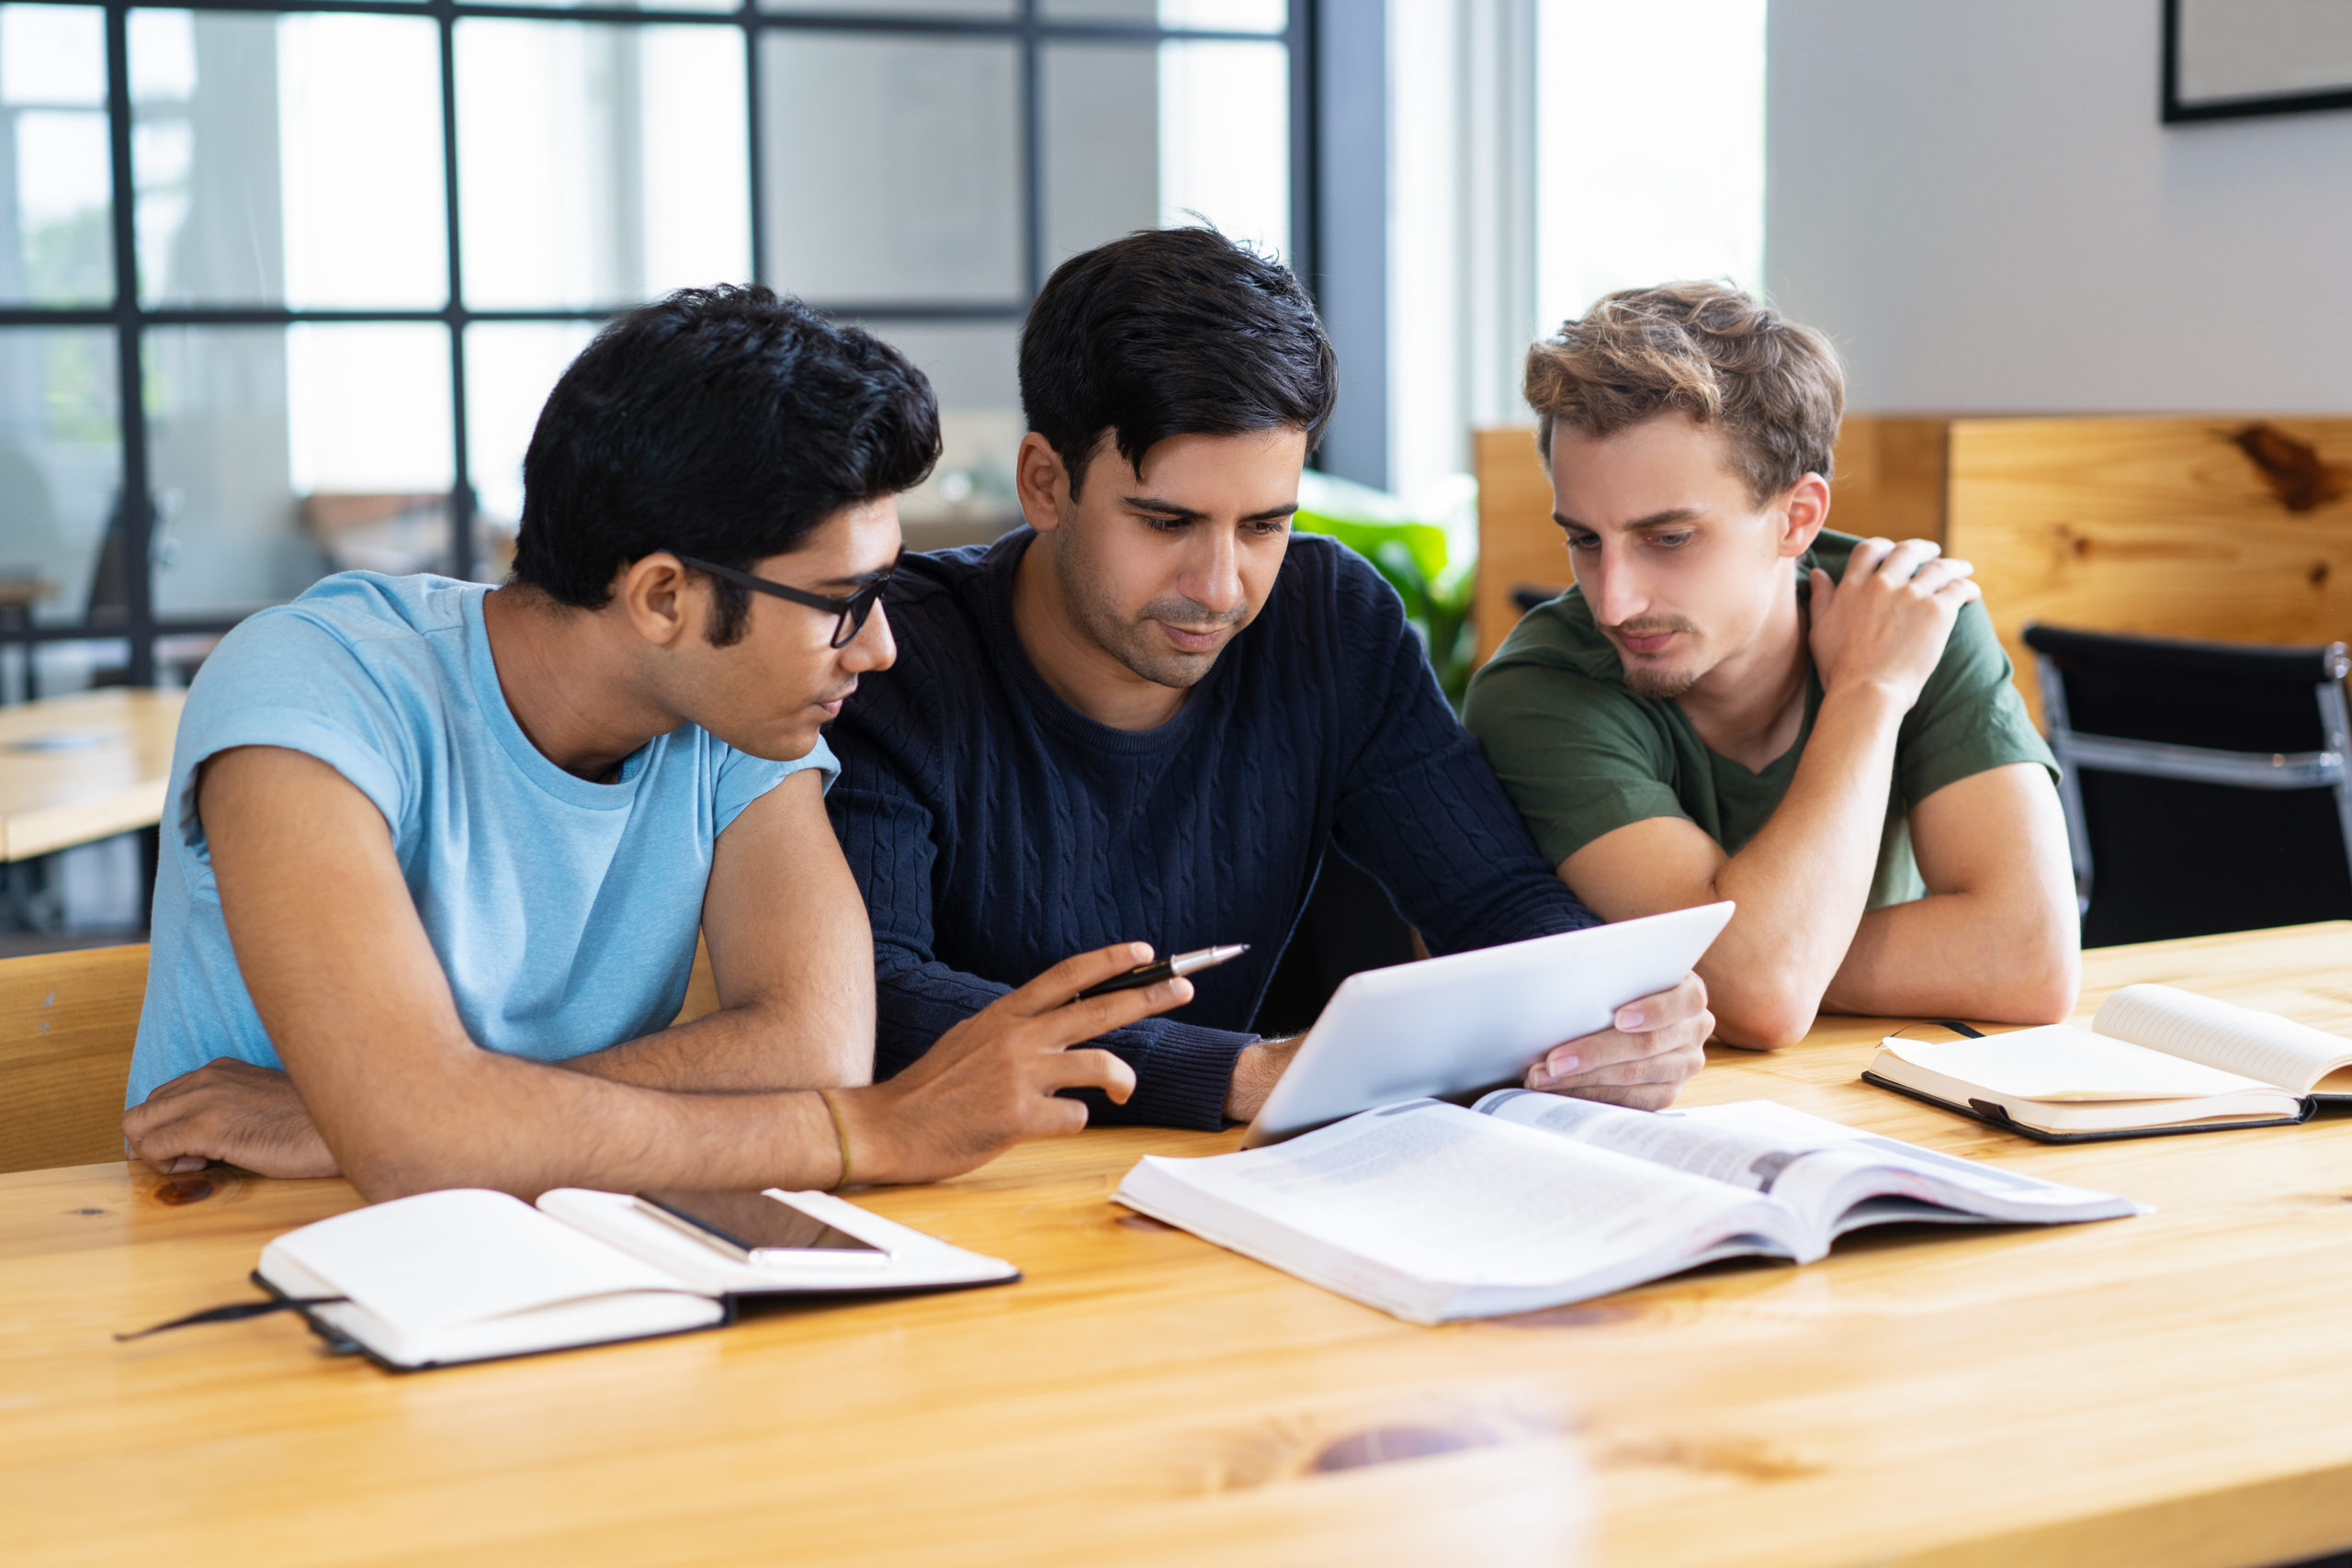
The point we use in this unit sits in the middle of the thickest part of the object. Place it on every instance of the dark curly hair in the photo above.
(720, 423)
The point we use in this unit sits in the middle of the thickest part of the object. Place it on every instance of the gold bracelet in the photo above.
(841, 1132)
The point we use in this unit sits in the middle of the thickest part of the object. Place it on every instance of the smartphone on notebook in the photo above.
(766, 1230)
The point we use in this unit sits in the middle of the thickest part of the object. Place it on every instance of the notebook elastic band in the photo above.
(234, 1311)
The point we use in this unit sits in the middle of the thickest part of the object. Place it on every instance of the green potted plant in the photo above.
(1429, 554)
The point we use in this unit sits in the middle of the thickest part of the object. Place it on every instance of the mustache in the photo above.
(1651, 625)
(1192, 615)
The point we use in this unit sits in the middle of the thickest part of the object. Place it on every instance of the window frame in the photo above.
(1026, 26)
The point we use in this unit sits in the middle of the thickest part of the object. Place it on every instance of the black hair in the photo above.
(721, 423)
(1171, 332)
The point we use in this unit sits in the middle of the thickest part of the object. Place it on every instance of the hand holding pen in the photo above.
(1166, 969)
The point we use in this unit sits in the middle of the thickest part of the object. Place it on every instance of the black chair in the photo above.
(2203, 782)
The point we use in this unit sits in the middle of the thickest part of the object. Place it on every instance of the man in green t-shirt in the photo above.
(1734, 703)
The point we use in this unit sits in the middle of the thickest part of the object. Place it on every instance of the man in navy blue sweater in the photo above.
(1152, 712)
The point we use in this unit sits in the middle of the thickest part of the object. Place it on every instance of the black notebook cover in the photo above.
(342, 1344)
(1992, 1116)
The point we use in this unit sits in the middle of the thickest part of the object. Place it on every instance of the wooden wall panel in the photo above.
(2226, 527)
(67, 1022)
(1890, 471)
(1518, 541)
(1890, 480)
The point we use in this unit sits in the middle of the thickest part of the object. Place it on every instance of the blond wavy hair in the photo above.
(1774, 387)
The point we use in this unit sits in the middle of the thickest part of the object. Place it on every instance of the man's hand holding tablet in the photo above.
(1653, 1048)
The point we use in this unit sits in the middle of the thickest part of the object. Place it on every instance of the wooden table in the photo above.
(2170, 1390)
(83, 767)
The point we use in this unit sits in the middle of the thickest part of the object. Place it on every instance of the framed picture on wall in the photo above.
(2228, 59)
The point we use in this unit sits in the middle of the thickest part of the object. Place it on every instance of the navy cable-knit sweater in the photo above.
(996, 830)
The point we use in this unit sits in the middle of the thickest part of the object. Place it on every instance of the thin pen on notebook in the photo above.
(1166, 969)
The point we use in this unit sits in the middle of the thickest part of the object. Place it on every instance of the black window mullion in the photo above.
(755, 156)
(1032, 152)
(461, 481)
(1028, 29)
(135, 511)
(1306, 224)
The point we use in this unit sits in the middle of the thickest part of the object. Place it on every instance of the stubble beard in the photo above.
(1656, 680)
(1664, 684)
(1132, 641)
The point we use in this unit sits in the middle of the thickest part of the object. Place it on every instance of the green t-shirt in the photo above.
(1583, 755)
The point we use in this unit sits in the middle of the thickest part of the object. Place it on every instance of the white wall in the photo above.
(1974, 197)
(1461, 229)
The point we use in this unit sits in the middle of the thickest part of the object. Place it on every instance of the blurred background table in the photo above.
(83, 767)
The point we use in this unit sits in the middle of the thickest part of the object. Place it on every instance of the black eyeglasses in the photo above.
(852, 610)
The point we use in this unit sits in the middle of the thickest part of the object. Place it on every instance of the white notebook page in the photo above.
(439, 1259)
(2058, 1062)
(2240, 1040)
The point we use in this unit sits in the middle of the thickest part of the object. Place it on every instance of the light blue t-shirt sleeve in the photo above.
(283, 680)
(743, 778)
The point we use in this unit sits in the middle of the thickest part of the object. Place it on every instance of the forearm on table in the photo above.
(483, 1120)
(1803, 882)
(2001, 954)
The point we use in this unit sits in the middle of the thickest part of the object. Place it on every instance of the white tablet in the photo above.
(1474, 1021)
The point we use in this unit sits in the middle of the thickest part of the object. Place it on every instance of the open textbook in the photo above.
(1434, 1213)
(2154, 1060)
(466, 1275)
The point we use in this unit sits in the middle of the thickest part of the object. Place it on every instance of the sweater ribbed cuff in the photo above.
(1181, 1076)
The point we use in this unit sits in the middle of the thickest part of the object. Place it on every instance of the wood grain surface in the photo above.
(2226, 527)
(84, 767)
(67, 1024)
(1890, 477)
(1518, 542)
(2161, 1391)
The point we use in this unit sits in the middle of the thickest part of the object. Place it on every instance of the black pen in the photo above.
(1166, 969)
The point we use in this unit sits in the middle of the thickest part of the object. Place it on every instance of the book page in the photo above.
(2222, 1034)
(2060, 1063)
(1434, 1192)
(1825, 1172)
(439, 1259)
(1744, 1156)
(1768, 1119)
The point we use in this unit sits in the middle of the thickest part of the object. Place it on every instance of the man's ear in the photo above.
(1804, 510)
(662, 600)
(1042, 481)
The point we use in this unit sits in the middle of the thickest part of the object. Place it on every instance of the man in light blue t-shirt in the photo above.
(437, 854)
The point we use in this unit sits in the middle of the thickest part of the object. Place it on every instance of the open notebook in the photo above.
(1434, 1213)
(466, 1275)
(2155, 1059)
